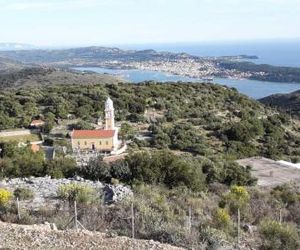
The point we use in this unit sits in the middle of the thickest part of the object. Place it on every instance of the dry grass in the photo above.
(21, 138)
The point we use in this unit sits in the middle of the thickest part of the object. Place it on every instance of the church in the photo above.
(102, 140)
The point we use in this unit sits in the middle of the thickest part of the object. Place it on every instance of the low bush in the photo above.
(76, 192)
(24, 193)
(222, 218)
(5, 197)
(276, 236)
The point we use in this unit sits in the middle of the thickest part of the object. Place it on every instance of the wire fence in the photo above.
(103, 218)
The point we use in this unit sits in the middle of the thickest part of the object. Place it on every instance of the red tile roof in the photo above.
(87, 134)
(37, 122)
(35, 148)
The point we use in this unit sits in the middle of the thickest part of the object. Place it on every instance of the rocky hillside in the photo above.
(44, 237)
(45, 190)
(289, 103)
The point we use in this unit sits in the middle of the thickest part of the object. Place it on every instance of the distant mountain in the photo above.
(289, 103)
(88, 55)
(15, 46)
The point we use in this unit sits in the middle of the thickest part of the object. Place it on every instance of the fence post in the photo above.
(239, 225)
(132, 221)
(75, 217)
(18, 209)
(103, 207)
(190, 220)
(280, 216)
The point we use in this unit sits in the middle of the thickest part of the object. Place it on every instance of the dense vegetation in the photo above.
(167, 169)
(40, 76)
(196, 132)
(202, 119)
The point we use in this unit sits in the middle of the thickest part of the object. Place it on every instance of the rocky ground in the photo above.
(45, 190)
(23, 237)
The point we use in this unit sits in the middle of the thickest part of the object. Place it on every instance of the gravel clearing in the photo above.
(45, 190)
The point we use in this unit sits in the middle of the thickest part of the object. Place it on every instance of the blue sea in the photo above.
(254, 89)
(274, 52)
(278, 53)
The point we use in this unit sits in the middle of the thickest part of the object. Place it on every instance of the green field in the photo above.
(21, 138)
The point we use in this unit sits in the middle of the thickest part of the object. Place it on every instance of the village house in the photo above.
(102, 140)
(37, 123)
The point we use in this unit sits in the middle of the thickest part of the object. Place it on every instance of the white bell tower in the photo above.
(109, 115)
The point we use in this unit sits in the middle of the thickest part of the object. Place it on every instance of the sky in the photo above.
(104, 22)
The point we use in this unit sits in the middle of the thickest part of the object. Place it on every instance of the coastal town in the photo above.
(199, 68)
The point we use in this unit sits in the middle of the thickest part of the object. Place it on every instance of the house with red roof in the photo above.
(37, 123)
(102, 140)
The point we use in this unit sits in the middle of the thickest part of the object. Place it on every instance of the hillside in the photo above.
(43, 76)
(183, 143)
(289, 103)
(42, 237)
(203, 119)
(88, 55)
(9, 64)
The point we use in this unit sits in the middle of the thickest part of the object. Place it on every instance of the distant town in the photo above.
(190, 67)
(238, 67)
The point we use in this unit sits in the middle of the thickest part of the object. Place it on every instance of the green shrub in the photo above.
(24, 193)
(237, 198)
(286, 193)
(164, 167)
(276, 236)
(76, 192)
(61, 167)
(222, 218)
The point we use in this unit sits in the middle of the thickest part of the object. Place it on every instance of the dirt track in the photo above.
(271, 173)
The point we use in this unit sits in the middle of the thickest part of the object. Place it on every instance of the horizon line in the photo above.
(105, 44)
